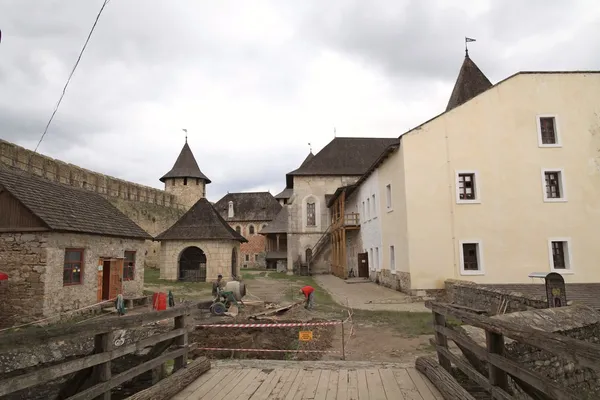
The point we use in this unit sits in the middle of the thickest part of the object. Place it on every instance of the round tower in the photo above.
(185, 180)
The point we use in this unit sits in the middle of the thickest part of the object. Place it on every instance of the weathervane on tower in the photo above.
(310, 147)
(467, 40)
(185, 130)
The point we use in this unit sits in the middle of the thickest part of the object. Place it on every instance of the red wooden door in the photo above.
(99, 273)
(116, 278)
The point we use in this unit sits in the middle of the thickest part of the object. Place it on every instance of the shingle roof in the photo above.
(470, 82)
(309, 157)
(250, 206)
(344, 156)
(279, 224)
(201, 222)
(68, 209)
(285, 194)
(185, 166)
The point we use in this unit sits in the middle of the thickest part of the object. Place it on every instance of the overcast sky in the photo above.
(255, 81)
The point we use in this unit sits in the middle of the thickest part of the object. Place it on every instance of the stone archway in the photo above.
(233, 262)
(192, 265)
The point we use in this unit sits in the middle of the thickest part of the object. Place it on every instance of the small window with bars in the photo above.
(548, 132)
(471, 261)
(311, 219)
(560, 254)
(466, 186)
(553, 185)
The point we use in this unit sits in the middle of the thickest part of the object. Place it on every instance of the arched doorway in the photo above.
(308, 255)
(192, 265)
(233, 262)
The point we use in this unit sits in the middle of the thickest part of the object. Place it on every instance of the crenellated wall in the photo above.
(58, 171)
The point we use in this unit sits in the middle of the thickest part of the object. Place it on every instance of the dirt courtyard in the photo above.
(384, 325)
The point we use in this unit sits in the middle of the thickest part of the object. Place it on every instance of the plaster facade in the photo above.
(218, 257)
(311, 189)
(510, 223)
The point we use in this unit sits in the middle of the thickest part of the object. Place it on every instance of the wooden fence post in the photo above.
(440, 339)
(103, 343)
(182, 340)
(495, 345)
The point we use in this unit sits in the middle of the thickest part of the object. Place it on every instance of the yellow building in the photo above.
(504, 183)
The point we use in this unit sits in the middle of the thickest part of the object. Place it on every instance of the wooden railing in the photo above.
(352, 219)
(105, 350)
(499, 366)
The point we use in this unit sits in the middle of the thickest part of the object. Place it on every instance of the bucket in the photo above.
(159, 301)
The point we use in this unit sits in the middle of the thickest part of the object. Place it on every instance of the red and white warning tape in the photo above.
(267, 350)
(282, 325)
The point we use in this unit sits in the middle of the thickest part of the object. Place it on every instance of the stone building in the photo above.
(200, 246)
(63, 248)
(339, 163)
(248, 213)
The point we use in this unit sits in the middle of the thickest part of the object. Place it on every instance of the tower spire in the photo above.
(185, 130)
(467, 40)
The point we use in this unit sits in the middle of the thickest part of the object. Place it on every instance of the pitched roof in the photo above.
(279, 224)
(470, 82)
(201, 222)
(285, 194)
(344, 156)
(185, 166)
(250, 206)
(309, 157)
(68, 209)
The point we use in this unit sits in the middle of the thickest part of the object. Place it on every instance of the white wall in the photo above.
(370, 222)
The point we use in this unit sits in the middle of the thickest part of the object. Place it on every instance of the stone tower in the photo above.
(185, 180)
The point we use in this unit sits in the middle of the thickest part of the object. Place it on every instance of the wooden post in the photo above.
(182, 340)
(440, 339)
(343, 343)
(103, 343)
(495, 345)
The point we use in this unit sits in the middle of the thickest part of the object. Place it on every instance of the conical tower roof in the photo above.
(185, 166)
(470, 83)
(309, 157)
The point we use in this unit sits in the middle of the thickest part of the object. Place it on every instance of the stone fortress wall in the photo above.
(154, 210)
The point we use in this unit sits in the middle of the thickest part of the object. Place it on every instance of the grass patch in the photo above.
(152, 277)
(247, 276)
(408, 323)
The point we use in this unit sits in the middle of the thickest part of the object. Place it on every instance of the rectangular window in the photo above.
(129, 266)
(247, 257)
(371, 261)
(470, 258)
(560, 257)
(311, 219)
(388, 196)
(554, 185)
(377, 259)
(466, 186)
(185, 181)
(255, 257)
(548, 131)
(374, 207)
(368, 208)
(73, 267)
(392, 259)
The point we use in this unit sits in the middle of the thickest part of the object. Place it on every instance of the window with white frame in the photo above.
(311, 216)
(392, 259)
(554, 186)
(371, 262)
(374, 207)
(467, 187)
(548, 131)
(368, 208)
(560, 254)
(377, 266)
(471, 262)
(388, 196)
(364, 211)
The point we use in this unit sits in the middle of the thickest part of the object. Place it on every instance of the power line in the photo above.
(71, 74)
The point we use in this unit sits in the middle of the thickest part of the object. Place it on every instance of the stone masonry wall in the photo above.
(58, 171)
(399, 280)
(59, 298)
(255, 249)
(218, 257)
(23, 258)
(470, 294)
(186, 191)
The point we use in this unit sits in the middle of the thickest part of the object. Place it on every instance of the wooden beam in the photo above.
(20, 382)
(495, 345)
(440, 339)
(175, 383)
(96, 390)
(36, 335)
(103, 343)
(441, 379)
(182, 341)
(582, 353)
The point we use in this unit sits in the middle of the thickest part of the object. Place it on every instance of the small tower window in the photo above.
(238, 229)
(185, 181)
(197, 181)
(251, 229)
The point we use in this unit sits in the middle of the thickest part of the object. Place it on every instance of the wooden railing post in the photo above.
(442, 341)
(182, 340)
(495, 345)
(103, 343)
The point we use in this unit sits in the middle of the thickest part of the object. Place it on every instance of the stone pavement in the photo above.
(368, 296)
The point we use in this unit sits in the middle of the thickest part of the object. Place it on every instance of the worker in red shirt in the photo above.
(309, 294)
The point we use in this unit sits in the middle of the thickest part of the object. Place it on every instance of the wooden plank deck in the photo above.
(296, 382)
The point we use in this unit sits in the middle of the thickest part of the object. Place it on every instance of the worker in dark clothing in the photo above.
(217, 285)
(309, 294)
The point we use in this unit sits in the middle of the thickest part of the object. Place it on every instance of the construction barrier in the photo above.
(267, 350)
(276, 325)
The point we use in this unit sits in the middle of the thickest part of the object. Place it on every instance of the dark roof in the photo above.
(185, 166)
(68, 209)
(343, 156)
(251, 206)
(470, 82)
(285, 193)
(309, 157)
(585, 293)
(201, 222)
(279, 224)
